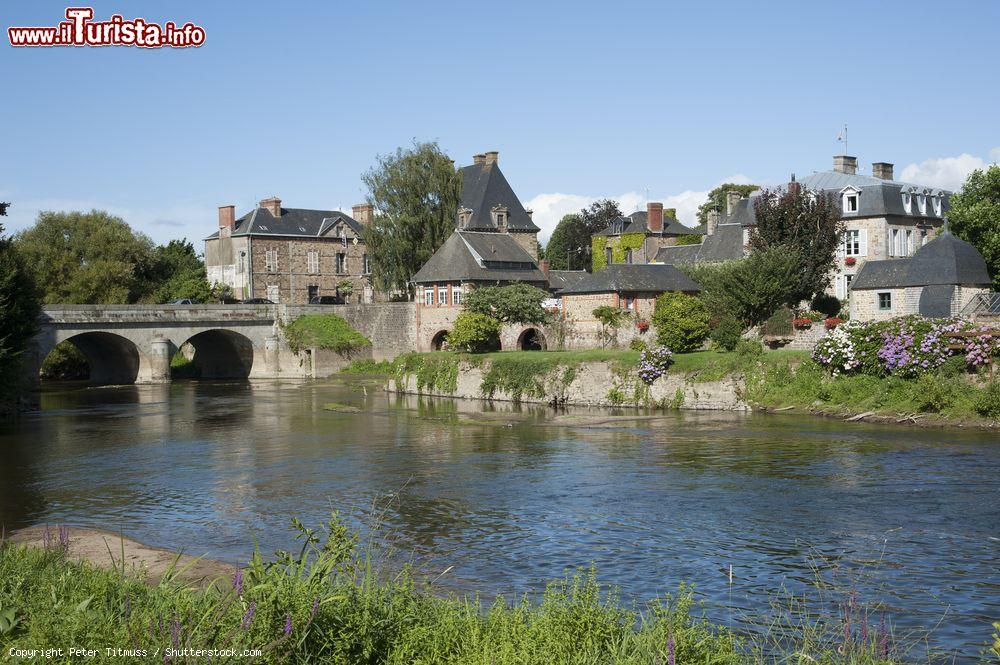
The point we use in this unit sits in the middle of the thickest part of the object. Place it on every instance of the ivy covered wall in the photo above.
(618, 245)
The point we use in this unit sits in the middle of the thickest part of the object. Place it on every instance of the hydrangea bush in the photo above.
(907, 346)
(653, 363)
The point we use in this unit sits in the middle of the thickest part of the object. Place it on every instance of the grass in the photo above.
(332, 602)
(323, 331)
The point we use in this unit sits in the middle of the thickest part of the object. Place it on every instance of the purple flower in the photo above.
(670, 650)
(238, 581)
(248, 617)
(175, 633)
(315, 607)
(64, 538)
(288, 625)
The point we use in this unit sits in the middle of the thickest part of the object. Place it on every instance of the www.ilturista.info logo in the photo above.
(80, 30)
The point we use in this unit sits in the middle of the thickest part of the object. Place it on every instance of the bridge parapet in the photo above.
(146, 314)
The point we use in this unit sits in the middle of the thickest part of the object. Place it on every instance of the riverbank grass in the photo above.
(330, 602)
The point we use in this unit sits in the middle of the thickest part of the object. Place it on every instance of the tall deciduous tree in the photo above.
(599, 215)
(975, 216)
(416, 194)
(514, 303)
(717, 198)
(18, 319)
(805, 223)
(569, 245)
(177, 272)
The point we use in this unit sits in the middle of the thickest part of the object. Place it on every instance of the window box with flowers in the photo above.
(850, 261)
(802, 323)
(642, 325)
(833, 322)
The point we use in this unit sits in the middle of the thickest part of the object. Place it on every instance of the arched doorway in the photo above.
(219, 354)
(440, 340)
(107, 359)
(531, 340)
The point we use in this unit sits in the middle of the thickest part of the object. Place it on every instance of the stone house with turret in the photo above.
(291, 255)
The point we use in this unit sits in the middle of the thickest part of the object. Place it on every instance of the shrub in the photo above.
(474, 332)
(988, 404)
(681, 322)
(611, 319)
(323, 331)
(637, 345)
(827, 304)
(726, 334)
(653, 363)
(932, 394)
(833, 322)
(779, 324)
(749, 348)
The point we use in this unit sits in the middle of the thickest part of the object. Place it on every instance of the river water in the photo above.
(907, 518)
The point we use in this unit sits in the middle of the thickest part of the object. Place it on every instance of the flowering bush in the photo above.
(980, 348)
(642, 325)
(833, 322)
(907, 346)
(802, 322)
(653, 363)
(850, 261)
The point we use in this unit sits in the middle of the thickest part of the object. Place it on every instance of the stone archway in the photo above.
(221, 354)
(111, 359)
(531, 339)
(439, 340)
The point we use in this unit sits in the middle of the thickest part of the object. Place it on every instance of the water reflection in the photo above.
(511, 496)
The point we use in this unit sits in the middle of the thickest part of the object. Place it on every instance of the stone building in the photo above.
(883, 219)
(638, 237)
(940, 279)
(290, 255)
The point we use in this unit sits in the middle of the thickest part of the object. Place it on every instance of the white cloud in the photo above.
(995, 155)
(550, 208)
(945, 172)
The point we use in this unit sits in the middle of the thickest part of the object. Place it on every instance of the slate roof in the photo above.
(725, 244)
(562, 279)
(472, 256)
(293, 222)
(945, 260)
(634, 278)
(636, 223)
(484, 187)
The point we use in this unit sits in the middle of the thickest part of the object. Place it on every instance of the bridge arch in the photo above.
(439, 340)
(221, 354)
(112, 359)
(531, 339)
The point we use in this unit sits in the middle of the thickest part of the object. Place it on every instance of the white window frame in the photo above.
(428, 296)
(907, 202)
(936, 203)
(341, 263)
(850, 201)
(910, 247)
(271, 260)
(366, 267)
(273, 293)
(312, 261)
(456, 295)
(878, 300)
(852, 241)
(442, 295)
(922, 203)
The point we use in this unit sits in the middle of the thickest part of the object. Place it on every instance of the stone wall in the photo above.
(390, 326)
(293, 276)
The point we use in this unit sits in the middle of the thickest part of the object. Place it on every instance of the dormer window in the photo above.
(851, 200)
(907, 202)
(500, 218)
(936, 202)
(342, 232)
(464, 215)
(922, 203)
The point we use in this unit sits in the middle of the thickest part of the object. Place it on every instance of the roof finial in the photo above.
(946, 228)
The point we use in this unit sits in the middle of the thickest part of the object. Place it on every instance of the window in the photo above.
(884, 302)
(922, 204)
(893, 243)
(313, 291)
(241, 263)
(909, 242)
(343, 236)
(847, 283)
(628, 302)
(428, 297)
(312, 262)
(852, 242)
(365, 268)
(272, 293)
(851, 201)
(608, 259)
(456, 295)
(443, 295)
(907, 200)
(936, 202)
(341, 262)
(369, 294)
(271, 260)
(628, 256)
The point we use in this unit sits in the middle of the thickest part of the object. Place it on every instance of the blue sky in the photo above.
(582, 101)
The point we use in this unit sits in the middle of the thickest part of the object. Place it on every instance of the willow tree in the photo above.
(416, 194)
(808, 226)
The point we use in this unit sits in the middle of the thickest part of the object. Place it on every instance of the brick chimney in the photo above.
(732, 198)
(272, 205)
(543, 265)
(227, 219)
(845, 164)
(882, 170)
(654, 217)
(479, 159)
(492, 157)
(794, 187)
(363, 212)
(712, 221)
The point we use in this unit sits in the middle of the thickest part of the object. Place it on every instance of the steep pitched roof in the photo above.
(484, 187)
(883, 274)
(302, 222)
(725, 244)
(480, 257)
(945, 260)
(636, 223)
(634, 278)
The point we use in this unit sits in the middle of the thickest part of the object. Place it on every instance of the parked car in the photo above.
(326, 300)
(184, 301)
(257, 301)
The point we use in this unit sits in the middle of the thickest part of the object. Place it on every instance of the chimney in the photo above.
(227, 218)
(654, 217)
(363, 212)
(670, 212)
(531, 213)
(712, 221)
(544, 266)
(272, 205)
(794, 187)
(732, 198)
(492, 157)
(845, 164)
(882, 170)
(479, 159)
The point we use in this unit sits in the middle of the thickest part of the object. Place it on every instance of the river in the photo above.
(908, 518)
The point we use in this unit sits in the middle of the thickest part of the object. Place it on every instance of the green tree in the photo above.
(809, 226)
(681, 321)
(177, 272)
(475, 332)
(611, 319)
(19, 311)
(569, 246)
(975, 216)
(514, 303)
(86, 258)
(599, 215)
(416, 196)
(717, 198)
